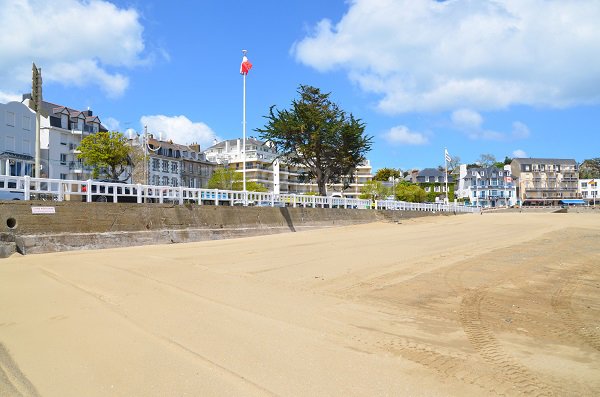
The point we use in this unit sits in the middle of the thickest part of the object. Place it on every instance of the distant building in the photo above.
(486, 186)
(262, 166)
(545, 181)
(173, 164)
(590, 191)
(61, 131)
(433, 181)
(17, 139)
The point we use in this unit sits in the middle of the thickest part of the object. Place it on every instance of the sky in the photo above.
(516, 78)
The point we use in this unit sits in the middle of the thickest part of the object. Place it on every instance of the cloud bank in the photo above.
(77, 43)
(402, 135)
(424, 55)
(179, 129)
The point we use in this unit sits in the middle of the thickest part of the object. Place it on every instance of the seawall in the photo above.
(39, 227)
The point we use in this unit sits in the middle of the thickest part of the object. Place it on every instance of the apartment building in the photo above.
(486, 186)
(61, 130)
(589, 191)
(17, 139)
(173, 164)
(262, 166)
(545, 181)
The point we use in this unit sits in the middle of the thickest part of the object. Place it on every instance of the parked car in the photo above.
(11, 195)
(105, 193)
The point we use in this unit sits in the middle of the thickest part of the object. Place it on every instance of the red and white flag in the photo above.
(245, 66)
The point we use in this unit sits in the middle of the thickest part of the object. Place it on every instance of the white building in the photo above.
(61, 131)
(486, 186)
(17, 139)
(589, 190)
(262, 166)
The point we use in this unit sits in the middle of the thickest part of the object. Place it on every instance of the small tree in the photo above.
(317, 135)
(410, 192)
(229, 179)
(384, 174)
(107, 153)
(486, 160)
(374, 190)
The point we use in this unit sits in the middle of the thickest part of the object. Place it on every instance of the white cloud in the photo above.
(179, 129)
(520, 130)
(6, 97)
(111, 123)
(471, 122)
(74, 42)
(424, 55)
(402, 135)
(467, 118)
(519, 153)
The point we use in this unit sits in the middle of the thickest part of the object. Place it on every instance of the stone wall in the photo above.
(74, 225)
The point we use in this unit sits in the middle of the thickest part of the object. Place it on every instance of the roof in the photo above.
(232, 142)
(544, 160)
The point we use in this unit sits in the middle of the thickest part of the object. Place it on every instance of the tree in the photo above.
(410, 192)
(374, 190)
(229, 179)
(107, 152)
(590, 169)
(384, 174)
(486, 160)
(317, 135)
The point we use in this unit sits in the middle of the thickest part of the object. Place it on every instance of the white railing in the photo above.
(60, 190)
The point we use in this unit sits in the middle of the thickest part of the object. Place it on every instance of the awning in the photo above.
(572, 201)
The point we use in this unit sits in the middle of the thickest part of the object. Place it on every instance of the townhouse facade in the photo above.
(61, 130)
(263, 166)
(545, 181)
(433, 181)
(17, 139)
(486, 186)
(172, 164)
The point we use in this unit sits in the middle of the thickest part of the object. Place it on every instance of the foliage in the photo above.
(507, 160)
(107, 153)
(486, 160)
(252, 186)
(229, 179)
(384, 174)
(590, 169)
(410, 192)
(374, 190)
(316, 134)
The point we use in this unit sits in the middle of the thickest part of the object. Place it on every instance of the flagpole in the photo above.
(446, 174)
(244, 136)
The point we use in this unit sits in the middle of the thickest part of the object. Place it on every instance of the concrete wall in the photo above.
(76, 225)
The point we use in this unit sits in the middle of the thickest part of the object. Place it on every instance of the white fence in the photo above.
(26, 188)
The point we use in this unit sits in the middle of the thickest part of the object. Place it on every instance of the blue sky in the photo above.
(508, 77)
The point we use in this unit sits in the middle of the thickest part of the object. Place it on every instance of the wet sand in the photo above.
(471, 305)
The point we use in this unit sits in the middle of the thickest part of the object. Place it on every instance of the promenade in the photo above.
(470, 305)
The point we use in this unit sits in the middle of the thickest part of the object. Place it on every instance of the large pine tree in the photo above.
(318, 136)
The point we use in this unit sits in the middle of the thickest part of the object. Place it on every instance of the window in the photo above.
(10, 118)
(156, 180)
(10, 143)
(165, 166)
(26, 123)
(436, 189)
(584, 194)
(584, 185)
(63, 176)
(155, 164)
(191, 167)
(63, 159)
(174, 167)
(427, 189)
(165, 180)
(174, 182)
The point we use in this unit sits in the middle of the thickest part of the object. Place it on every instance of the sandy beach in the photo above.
(471, 305)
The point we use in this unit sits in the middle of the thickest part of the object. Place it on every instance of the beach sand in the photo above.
(471, 305)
